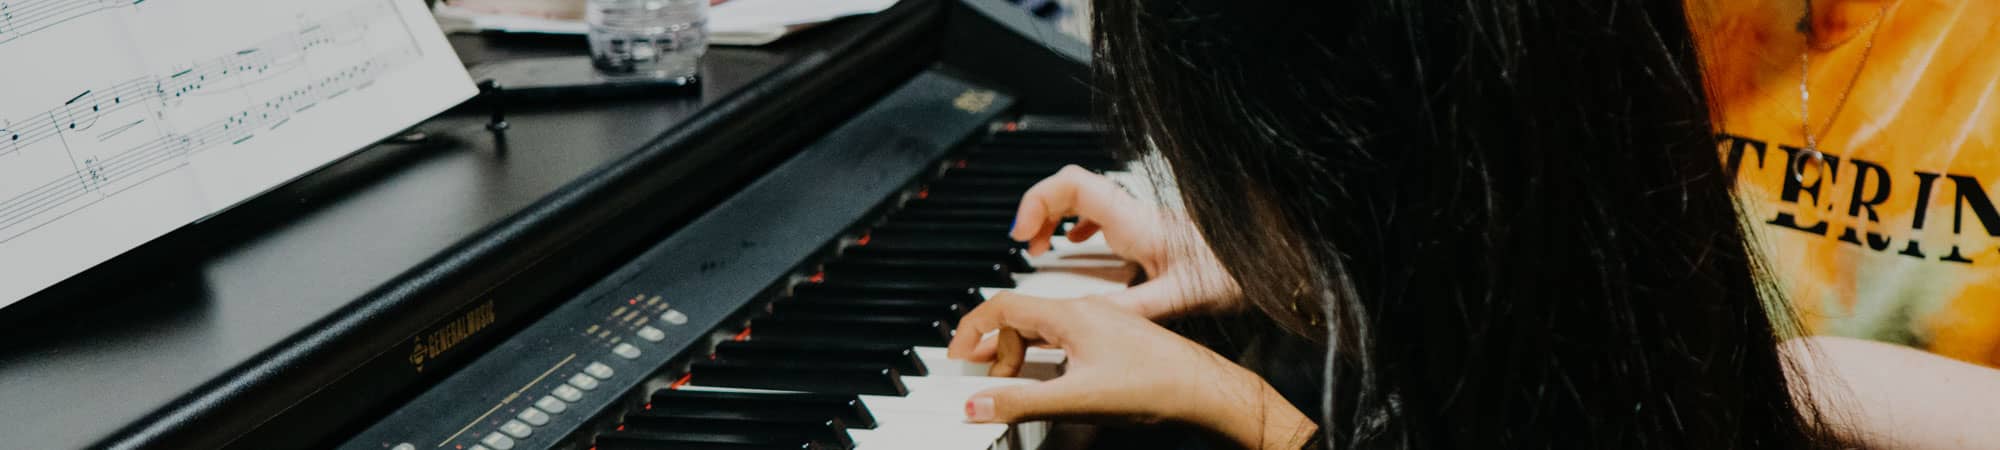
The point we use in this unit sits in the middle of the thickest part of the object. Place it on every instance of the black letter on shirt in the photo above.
(1734, 164)
(1971, 193)
(1792, 188)
(1862, 172)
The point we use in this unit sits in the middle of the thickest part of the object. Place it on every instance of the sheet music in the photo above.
(122, 120)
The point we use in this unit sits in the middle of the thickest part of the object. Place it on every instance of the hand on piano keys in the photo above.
(1183, 275)
(855, 357)
(1125, 366)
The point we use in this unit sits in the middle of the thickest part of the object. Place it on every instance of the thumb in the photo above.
(1024, 402)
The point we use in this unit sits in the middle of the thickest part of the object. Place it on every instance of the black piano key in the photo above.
(874, 317)
(961, 295)
(889, 283)
(977, 200)
(1008, 170)
(904, 359)
(1019, 165)
(1004, 171)
(1081, 141)
(1016, 259)
(847, 407)
(988, 184)
(831, 379)
(828, 432)
(1086, 152)
(948, 311)
(627, 440)
(899, 331)
(941, 241)
(987, 274)
(1056, 157)
(918, 226)
(762, 414)
(922, 210)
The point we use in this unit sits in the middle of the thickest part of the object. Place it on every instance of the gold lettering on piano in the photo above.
(429, 344)
(975, 100)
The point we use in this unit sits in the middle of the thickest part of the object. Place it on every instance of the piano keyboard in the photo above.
(862, 341)
(705, 341)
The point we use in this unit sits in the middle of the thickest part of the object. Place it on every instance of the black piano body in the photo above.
(306, 316)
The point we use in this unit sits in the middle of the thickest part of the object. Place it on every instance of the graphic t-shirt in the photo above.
(1896, 237)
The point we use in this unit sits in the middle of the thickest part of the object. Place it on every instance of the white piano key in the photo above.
(934, 360)
(900, 430)
(1038, 363)
(1073, 269)
(931, 417)
(935, 410)
(1062, 284)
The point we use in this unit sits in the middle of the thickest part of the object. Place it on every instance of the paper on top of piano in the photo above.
(731, 22)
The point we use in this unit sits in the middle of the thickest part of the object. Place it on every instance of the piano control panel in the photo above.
(629, 335)
(624, 333)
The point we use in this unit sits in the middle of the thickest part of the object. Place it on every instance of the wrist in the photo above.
(1248, 411)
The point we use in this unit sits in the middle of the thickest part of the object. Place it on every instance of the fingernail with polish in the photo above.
(979, 409)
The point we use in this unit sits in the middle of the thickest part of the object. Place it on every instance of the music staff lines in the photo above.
(76, 120)
(236, 129)
(189, 81)
(20, 18)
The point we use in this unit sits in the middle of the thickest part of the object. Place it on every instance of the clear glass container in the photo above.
(652, 39)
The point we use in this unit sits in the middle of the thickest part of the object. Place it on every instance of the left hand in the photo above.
(1122, 365)
(1183, 275)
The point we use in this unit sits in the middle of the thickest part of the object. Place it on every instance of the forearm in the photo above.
(1886, 396)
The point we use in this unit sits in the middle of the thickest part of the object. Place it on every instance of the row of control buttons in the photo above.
(558, 400)
(628, 351)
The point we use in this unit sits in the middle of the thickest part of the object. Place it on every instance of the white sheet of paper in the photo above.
(123, 120)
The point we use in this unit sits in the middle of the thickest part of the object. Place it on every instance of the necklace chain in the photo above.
(1812, 151)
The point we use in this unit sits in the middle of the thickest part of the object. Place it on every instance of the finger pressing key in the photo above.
(1007, 362)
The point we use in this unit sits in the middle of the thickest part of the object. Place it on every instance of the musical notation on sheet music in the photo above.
(22, 17)
(178, 108)
(164, 96)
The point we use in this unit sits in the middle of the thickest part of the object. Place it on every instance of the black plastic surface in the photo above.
(708, 271)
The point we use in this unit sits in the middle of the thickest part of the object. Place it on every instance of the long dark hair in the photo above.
(1505, 219)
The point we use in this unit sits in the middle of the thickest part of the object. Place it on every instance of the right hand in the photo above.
(1181, 278)
(1119, 367)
